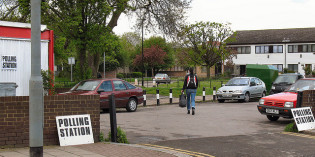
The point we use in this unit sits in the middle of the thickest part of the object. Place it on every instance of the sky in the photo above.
(245, 14)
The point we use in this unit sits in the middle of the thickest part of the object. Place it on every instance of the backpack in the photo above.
(191, 82)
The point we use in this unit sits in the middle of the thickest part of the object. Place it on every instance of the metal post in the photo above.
(214, 93)
(142, 53)
(299, 99)
(221, 83)
(204, 94)
(36, 106)
(171, 95)
(104, 64)
(113, 121)
(71, 72)
(157, 97)
(144, 98)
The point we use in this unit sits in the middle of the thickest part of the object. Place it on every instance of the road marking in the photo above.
(299, 135)
(191, 153)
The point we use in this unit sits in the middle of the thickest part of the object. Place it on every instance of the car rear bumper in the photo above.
(231, 97)
(283, 112)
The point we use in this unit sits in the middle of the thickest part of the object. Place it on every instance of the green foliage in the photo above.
(119, 75)
(308, 70)
(313, 72)
(102, 139)
(136, 74)
(121, 136)
(291, 128)
(48, 81)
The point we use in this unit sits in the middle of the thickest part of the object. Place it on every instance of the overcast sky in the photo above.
(246, 14)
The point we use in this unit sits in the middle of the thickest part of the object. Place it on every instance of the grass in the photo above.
(164, 89)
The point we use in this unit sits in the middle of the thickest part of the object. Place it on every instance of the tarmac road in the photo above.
(217, 129)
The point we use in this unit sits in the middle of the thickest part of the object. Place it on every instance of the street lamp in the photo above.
(142, 55)
(285, 40)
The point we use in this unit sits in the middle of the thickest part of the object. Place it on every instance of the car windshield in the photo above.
(87, 85)
(302, 85)
(285, 79)
(159, 75)
(238, 82)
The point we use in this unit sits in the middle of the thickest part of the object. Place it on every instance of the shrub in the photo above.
(48, 82)
(102, 137)
(313, 72)
(121, 136)
(136, 74)
(119, 75)
(291, 128)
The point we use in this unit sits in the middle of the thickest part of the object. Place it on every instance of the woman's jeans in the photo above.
(191, 94)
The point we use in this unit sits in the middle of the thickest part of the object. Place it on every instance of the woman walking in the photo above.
(191, 85)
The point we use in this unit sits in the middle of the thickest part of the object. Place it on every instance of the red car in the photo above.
(280, 105)
(126, 95)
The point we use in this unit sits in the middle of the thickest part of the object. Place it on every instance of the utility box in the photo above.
(266, 73)
(8, 89)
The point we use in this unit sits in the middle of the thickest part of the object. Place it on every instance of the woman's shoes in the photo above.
(193, 111)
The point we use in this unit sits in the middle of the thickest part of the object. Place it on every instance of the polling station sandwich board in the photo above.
(303, 118)
(74, 130)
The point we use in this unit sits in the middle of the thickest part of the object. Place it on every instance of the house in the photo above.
(293, 49)
(15, 54)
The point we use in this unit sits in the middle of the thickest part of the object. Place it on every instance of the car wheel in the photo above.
(221, 100)
(132, 105)
(273, 118)
(246, 99)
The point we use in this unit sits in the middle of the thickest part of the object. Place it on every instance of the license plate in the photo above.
(227, 95)
(269, 110)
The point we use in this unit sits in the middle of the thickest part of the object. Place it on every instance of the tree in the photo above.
(153, 57)
(160, 42)
(205, 43)
(86, 22)
(129, 42)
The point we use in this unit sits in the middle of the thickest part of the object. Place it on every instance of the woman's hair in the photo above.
(191, 70)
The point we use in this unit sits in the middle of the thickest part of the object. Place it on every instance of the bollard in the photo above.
(144, 98)
(113, 120)
(204, 94)
(214, 93)
(157, 97)
(171, 95)
(221, 83)
(136, 81)
(299, 99)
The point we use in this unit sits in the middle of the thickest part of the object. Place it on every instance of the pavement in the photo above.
(107, 149)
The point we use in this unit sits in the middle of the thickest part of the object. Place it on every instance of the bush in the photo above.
(121, 136)
(313, 72)
(291, 128)
(102, 137)
(48, 82)
(119, 75)
(136, 74)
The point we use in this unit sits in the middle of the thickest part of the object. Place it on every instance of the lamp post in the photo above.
(104, 64)
(285, 40)
(142, 55)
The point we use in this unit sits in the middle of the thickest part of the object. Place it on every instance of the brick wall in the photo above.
(14, 117)
(308, 99)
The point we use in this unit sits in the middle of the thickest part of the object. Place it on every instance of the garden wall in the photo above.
(308, 99)
(14, 117)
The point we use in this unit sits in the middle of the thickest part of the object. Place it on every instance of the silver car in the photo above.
(162, 78)
(242, 89)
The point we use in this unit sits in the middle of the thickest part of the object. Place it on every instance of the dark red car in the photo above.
(280, 105)
(126, 95)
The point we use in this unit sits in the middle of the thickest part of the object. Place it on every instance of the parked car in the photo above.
(280, 104)
(126, 95)
(242, 89)
(162, 78)
(284, 81)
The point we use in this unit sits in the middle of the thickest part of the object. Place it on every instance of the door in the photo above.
(104, 96)
(253, 88)
(121, 93)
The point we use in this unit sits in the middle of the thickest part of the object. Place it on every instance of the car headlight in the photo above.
(219, 91)
(261, 101)
(288, 104)
(273, 87)
(237, 91)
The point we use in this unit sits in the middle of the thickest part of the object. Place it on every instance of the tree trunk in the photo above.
(94, 62)
(208, 71)
(82, 62)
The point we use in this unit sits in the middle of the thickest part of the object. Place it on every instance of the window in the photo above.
(204, 69)
(301, 48)
(130, 86)
(243, 50)
(119, 85)
(293, 67)
(106, 86)
(278, 66)
(269, 49)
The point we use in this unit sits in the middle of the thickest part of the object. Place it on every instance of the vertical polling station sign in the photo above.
(303, 118)
(74, 130)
